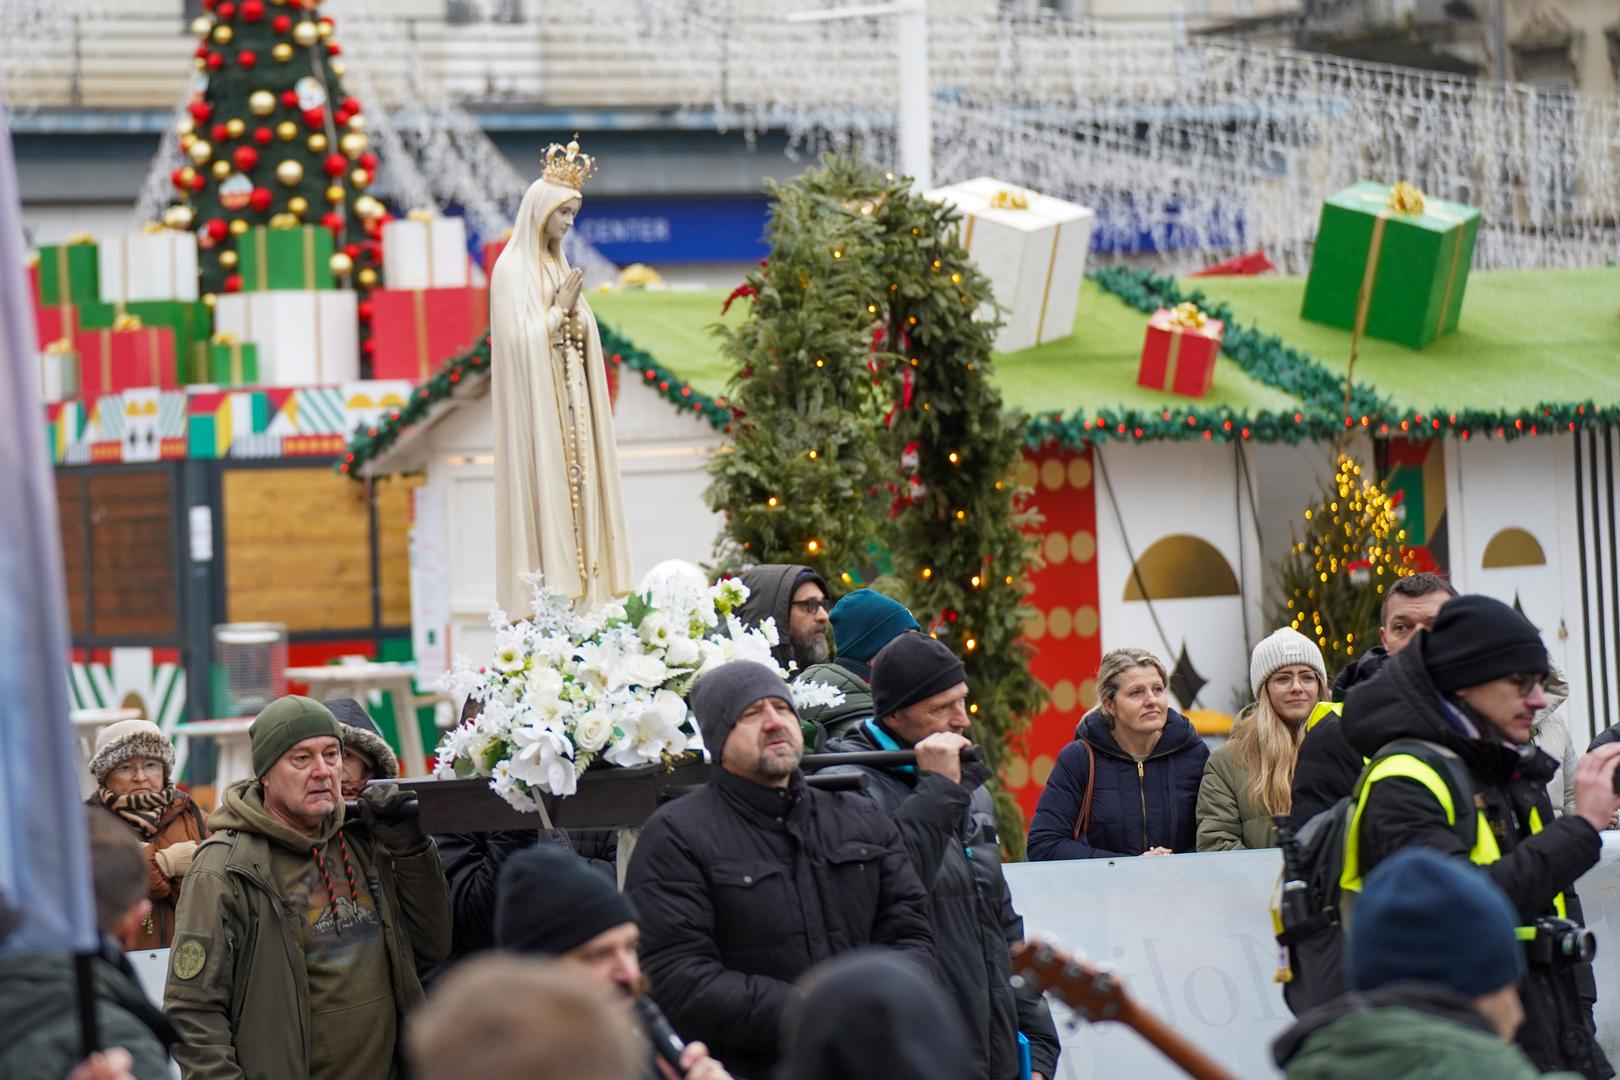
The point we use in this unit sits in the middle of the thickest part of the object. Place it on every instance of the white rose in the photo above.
(593, 730)
(682, 652)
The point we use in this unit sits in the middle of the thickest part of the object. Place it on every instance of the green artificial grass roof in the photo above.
(1526, 337)
(1093, 369)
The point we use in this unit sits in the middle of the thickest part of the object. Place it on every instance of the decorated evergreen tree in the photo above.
(1331, 584)
(273, 139)
(796, 486)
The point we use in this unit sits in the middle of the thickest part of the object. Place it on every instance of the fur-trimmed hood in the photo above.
(360, 733)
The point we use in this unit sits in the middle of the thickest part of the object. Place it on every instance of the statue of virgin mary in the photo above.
(558, 507)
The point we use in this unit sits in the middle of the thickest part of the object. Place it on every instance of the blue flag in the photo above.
(44, 862)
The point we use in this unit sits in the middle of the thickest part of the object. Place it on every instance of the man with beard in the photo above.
(550, 902)
(797, 598)
(755, 878)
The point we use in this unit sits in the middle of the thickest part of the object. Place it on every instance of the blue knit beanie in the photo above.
(865, 621)
(1424, 917)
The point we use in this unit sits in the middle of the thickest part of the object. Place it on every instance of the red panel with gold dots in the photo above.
(1064, 630)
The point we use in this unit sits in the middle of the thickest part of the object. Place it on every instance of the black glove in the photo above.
(394, 818)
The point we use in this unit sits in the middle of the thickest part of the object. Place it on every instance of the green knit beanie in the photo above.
(284, 723)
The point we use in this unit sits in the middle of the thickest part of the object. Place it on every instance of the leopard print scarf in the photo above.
(143, 809)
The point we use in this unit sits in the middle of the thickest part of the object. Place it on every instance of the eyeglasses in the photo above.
(810, 607)
(1526, 682)
(1283, 680)
(129, 769)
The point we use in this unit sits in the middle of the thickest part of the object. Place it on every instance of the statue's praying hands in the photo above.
(568, 291)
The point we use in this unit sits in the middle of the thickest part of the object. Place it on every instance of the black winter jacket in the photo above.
(1328, 767)
(770, 596)
(1401, 702)
(1134, 807)
(950, 831)
(741, 889)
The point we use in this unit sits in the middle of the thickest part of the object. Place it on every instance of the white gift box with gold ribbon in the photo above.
(306, 337)
(422, 252)
(1032, 247)
(158, 264)
(58, 371)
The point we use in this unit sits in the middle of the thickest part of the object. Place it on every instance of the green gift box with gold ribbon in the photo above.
(69, 273)
(1391, 263)
(295, 258)
(191, 322)
(232, 362)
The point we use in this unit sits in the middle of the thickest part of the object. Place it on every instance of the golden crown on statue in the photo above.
(565, 165)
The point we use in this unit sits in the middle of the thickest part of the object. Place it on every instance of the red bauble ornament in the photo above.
(217, 229)
(198, 181)
(202, 49)
(226, 11)
(200, 111)
(247, 58)
(333, 220)
(281, 24)
(214, 61)
(263, 136)
(252, 10)
(351, 105)
(260, 199)
(219, 133)
(336, 164)
(315, 117)
(333, 49)
(233, 283)
(368, 346)
(208, 5)
(178, 178)
(365, 311)
(352, 251)
(289, 99)
(245, 157)
(368, 162)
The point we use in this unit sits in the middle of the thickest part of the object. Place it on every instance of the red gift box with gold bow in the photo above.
(415, 331)
(1180, 350)
(125, 357)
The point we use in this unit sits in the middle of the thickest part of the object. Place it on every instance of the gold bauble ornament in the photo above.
(202, 26)
(367, 278)
(199, 64)
(286, 131)
(188, 176)
(238, 226)
(284, 221)
(178, 217)
(316, 143)
(234, 127)
(324, 28)
(210, 299)
(186, 140)
(357, 122)
(223, 34)
(335, 193)
(298, 205)
(201, 151)
(339, 68)
(341, 264)
(289, 172)
(369, 208)
(359, 177)
(353, 144)
(306, 34)
(221, 169)
(282, 52)
(185, 126)
(228, 259)
(261, 103)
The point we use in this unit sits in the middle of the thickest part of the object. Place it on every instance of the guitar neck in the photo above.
(1192, 1060)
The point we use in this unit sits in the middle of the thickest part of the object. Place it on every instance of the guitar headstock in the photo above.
(1094, 994)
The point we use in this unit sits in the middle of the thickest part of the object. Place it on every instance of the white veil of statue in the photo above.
(558, 505)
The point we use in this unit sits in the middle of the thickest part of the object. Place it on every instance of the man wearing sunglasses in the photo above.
(797, 598)
(1446, 726)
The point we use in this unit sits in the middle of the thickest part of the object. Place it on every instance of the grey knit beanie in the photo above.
(1286, 646)
(723, 694)
(117, 743)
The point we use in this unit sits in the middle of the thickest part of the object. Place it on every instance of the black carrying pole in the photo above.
(84, 974)
(876, 758)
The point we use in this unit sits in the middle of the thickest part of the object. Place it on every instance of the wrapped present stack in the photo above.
(62, 277)
(303, 329)
(1391, 263)
(1033, 249)
(430, 310)
(1180, 350)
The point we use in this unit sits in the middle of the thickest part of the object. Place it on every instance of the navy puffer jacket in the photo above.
(1133, 807)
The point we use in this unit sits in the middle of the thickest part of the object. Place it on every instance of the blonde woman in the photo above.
(1128, 783)
(1250, 777)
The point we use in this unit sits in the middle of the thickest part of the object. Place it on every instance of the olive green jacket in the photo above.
(237, 988)
(1227, 820)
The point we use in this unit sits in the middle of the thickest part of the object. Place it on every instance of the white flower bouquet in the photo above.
(566, 691)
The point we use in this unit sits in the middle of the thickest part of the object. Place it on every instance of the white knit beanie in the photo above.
(1286, 646)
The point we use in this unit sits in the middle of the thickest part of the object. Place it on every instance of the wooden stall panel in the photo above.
(74, 522)
(297, 549)
(132, 555)
(393, 546)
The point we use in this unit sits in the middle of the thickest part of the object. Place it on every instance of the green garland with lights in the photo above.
(367, 445)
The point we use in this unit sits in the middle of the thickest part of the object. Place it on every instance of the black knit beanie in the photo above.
(909, 669)
(721, 696)
(549, 900)
(1476, 639)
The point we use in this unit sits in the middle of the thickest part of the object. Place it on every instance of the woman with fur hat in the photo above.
(1250, 777)
(134, 770)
